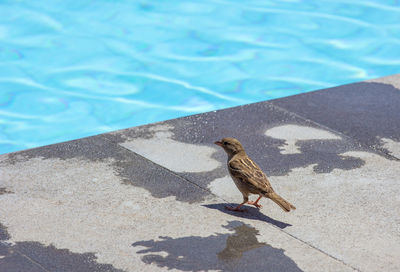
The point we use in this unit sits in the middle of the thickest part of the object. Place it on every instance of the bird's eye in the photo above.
(225, 143)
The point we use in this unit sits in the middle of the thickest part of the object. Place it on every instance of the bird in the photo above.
(248, 176)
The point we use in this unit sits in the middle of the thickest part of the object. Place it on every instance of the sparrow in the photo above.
(248, 176)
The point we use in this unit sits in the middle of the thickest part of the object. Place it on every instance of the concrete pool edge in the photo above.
(329, 145)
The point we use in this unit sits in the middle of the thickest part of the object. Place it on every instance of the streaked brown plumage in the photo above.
(248, 176)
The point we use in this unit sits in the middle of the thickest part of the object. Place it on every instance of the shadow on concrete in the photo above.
(240, 251)
(249, 213)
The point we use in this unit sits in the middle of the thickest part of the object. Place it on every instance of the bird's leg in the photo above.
(237, 209)
(255, 203)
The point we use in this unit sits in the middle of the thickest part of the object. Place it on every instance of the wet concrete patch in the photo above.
(33, 256)
(256, 126)
(51, 259)
(293, 134)
(239, 251)
(3, 233)
(364, 111)
(93, 148)
(12, 261)
(132, 168)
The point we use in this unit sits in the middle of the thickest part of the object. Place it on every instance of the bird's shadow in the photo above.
(249, 213)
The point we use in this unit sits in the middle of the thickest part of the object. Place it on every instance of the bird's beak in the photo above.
(218, 143)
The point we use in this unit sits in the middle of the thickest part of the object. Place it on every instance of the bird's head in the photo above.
(230, 145)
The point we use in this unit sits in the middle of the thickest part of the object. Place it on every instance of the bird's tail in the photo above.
(285, 205)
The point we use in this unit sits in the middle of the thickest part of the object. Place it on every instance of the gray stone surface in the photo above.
(33, 256)
(78, 213)
(249, 124)
(11, 260)
(133, 169)
(153, 198)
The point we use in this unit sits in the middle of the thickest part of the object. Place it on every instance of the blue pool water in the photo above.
(70, 69)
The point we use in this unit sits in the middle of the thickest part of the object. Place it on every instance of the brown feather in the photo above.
(248, 176)
(248, 170)
(285, 205)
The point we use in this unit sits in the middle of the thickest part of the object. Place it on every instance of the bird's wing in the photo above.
(250, 173)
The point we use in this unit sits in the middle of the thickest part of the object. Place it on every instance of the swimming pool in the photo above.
(70, 69)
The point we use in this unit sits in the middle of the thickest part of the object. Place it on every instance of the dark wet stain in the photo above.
(248, 123)
(4, 191)
(33, 256)
(91, 148)
(240, 251)
(133, 169)
(249, 213)
(266, 151)
(206, 128)
(364, 111)
(3, 233)
(326, 154)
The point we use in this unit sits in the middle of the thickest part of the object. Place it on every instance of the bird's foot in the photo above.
(254, 203)
(237, 209)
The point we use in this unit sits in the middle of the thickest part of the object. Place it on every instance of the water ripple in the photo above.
(316, 15)
(72, 69)
(191, 87)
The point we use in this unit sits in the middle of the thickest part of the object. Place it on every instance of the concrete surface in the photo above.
(153, 198)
